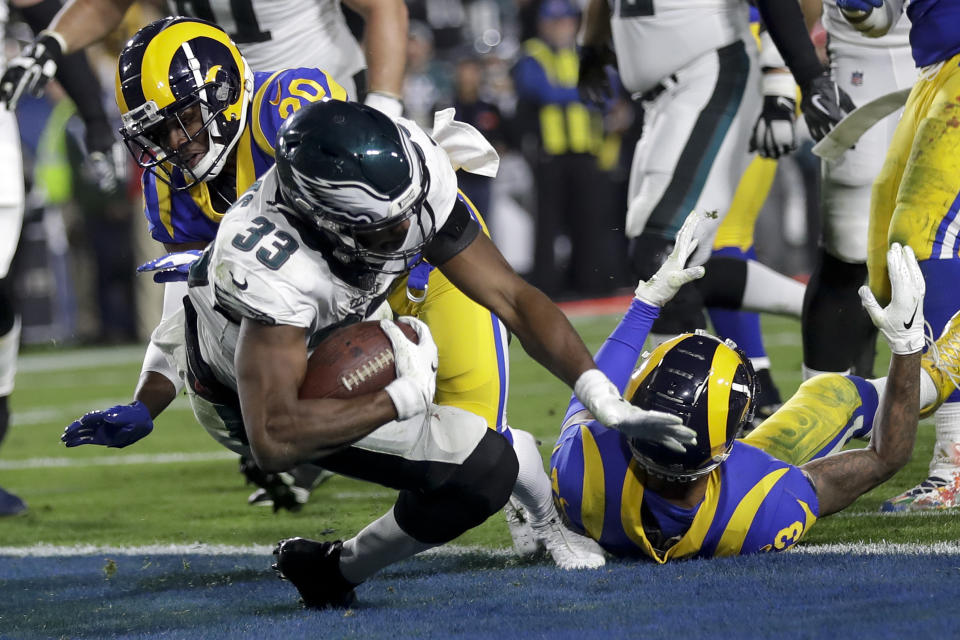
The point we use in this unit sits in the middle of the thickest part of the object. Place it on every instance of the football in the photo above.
(352, 361)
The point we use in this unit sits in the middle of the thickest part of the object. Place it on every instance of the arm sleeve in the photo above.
(156, 359)
(619, 353)
(78, 80)
(784, 21)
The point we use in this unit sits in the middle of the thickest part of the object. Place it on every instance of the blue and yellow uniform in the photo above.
(754, 502)
(474, 363)
(190, 216)
(916, 198)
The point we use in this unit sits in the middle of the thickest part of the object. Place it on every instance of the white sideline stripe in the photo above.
(48, 550)
(156, 458)
(80, 359)
(70, 412)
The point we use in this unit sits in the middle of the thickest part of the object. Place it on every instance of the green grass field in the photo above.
(178, 486)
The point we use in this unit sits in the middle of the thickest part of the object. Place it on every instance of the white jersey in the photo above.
(260, 266)
(838, 28)
(654, 38)
(281, 34)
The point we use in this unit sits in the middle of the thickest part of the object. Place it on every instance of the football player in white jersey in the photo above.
(11, 217)
(271, 34)
(354, 200)
(83, 88)
(694, 66)
(866, 68)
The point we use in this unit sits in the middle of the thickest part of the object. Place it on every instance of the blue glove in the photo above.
(116, 427)
(859, 5)
(173, 267)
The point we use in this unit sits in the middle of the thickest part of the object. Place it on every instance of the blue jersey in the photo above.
(934, 30)
(753, 501)
(189, 216)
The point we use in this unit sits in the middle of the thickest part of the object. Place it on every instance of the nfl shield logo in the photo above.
(856, 78)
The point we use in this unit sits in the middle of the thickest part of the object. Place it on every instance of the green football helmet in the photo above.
(358, 179)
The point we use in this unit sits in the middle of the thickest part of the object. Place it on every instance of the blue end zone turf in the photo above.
(483, 595)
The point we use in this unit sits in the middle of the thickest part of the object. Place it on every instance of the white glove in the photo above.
(663, 285)
(901, 321)
(416, 364)
(386, 103)
(602, 399)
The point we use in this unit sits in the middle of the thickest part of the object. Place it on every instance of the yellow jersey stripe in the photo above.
(731, 542)
(246, 172)
(692, 540)
(632, 498)
(593, 497)
(164, 205)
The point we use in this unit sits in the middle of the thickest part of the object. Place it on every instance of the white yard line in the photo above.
(157, 458)
(80, 359)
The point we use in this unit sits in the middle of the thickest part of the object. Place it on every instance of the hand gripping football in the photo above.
(352, 361)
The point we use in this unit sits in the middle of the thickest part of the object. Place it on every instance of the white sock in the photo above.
(9, 345)
(771, 291)
(532, 489)
(760, 363)
(809, 373)
(378, 545)
(946, 451)
(928, 390)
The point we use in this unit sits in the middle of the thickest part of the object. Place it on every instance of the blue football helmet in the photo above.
(707, 382)
(166, 69)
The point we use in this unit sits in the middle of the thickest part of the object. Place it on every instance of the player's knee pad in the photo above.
(475, 490)
(8, 313)
(846, 217)
(825, 412)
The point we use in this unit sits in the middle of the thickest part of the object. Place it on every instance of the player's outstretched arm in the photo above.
(481, 272)
(842, 478)
(284, 430)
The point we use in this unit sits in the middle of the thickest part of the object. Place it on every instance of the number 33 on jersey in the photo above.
(193, 216)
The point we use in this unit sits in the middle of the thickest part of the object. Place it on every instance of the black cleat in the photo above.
(314, 569)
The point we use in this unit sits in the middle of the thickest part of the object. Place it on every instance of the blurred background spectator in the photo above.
(508, 67)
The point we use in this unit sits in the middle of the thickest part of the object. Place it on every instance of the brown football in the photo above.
(352, 361)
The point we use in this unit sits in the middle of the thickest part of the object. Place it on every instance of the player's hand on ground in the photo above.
(823, 104)
(593, 83)
(901, 321)
(116, 427)
(416, 363)
(774, 133)
(172, 267)
(672, 274)
(601, 398)
(31, 70)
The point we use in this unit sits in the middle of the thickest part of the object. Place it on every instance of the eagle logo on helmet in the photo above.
(353, 173)
(707, 382)
(172, 73)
